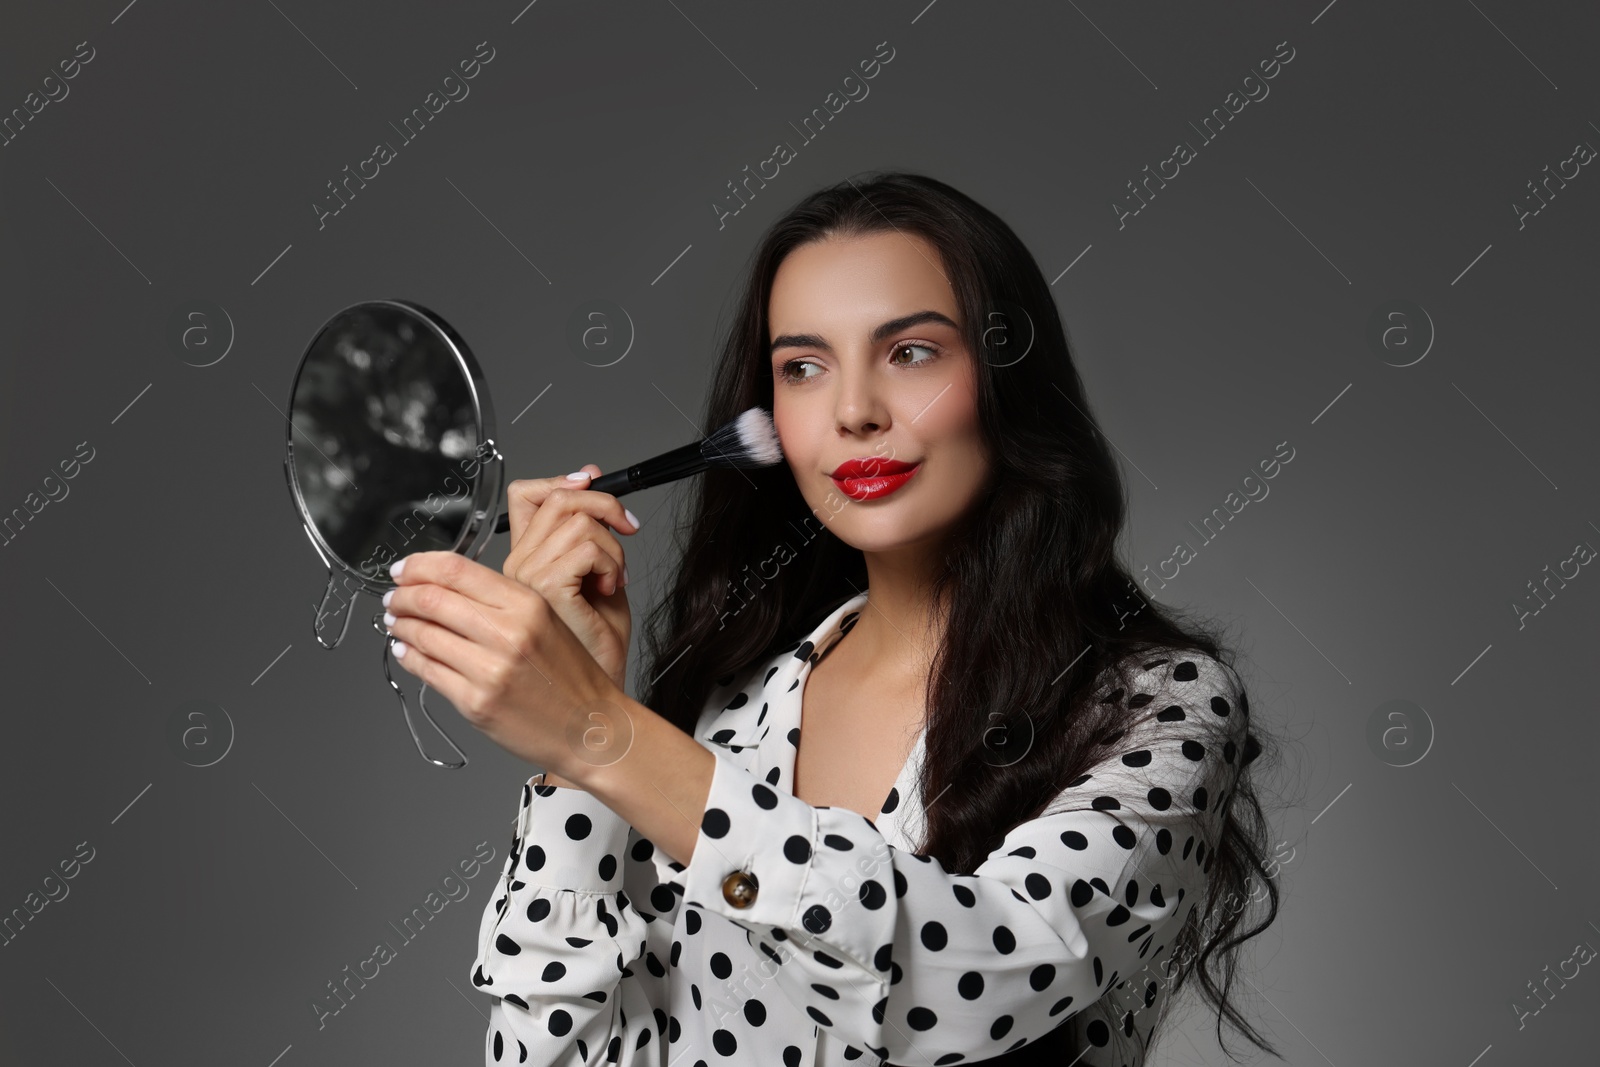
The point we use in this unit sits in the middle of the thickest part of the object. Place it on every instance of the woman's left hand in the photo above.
(499, 652)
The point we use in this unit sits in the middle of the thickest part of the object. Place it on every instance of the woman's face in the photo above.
(868, 363)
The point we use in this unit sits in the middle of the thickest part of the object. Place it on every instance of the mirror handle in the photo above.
(422, 702)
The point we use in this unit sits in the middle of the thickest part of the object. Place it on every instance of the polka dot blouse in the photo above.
(804, 934)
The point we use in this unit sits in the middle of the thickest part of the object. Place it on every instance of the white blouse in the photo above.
(804, 934)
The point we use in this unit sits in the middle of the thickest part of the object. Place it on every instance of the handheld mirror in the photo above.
(390, 451)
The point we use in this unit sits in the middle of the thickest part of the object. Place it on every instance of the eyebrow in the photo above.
(879, 333)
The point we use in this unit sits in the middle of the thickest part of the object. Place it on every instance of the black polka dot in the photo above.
(1160, 799)
(715, 823)
(1038, 885)
(764, 797)
(1220, 706)
(893, 800)
(1200, 798)
(1194, 750)
(533, 858)
(825, 990)
(1117, 916)
(538, 909)
(882, 957)
(1124, 836)
(608, 867)
(560, 1023)
(642, 850)
(797, 849)
(822, 1020)
(1106, 804)
(724, 1042)
(721, 966)
(553, 971)
(1155, 896)
(817, 919)
(1041, 977)
(1164, 840)
(1060, 1006)
(1074, 840)
(1001, 1027)
(755, 1012)
(873, 895)
(1004, 940)
(970, 985)
(691, 921)
(1171, 714)
(934, 936)
(578, 827)
(1082, 893)
(921, 1018)
(1185, 672)
(1140, 758)
(964, 896)
(843, 844)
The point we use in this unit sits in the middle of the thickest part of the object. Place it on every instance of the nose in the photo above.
(859, 403)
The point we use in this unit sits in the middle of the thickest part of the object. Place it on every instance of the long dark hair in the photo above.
(1044, 531)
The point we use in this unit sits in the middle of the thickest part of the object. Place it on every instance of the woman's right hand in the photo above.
(563, 547)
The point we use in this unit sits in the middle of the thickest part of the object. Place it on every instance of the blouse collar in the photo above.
(772, 697)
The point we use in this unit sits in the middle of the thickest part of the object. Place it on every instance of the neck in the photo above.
(900, 628)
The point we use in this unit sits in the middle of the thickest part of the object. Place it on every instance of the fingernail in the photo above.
(624, 574)
(632, 518)
(578, 476)
(388, 597)
(388, 620)
(399, 650)
(396, 567)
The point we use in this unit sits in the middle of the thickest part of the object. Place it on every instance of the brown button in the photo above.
(739, 889)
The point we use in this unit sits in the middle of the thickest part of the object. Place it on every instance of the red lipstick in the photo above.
(870, 477)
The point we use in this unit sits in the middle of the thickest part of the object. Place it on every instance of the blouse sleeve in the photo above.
(575, 965)
(890, 952)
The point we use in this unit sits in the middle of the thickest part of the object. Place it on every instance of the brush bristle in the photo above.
(748, 441)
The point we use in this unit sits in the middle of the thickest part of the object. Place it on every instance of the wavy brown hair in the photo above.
(1044, 530)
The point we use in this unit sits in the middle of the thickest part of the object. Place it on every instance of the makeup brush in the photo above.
(749, 441)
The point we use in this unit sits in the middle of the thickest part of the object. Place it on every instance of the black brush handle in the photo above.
(659, 470)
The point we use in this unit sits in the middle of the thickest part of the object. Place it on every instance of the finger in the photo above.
(563, 501)
(435, 675)
(458, 573)
(446, 646)
(437, 606)
(524, 495)
(580, 529)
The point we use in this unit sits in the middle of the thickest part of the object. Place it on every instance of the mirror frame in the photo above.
(489, 464)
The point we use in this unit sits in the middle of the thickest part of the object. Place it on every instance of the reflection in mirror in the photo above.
(384, 418)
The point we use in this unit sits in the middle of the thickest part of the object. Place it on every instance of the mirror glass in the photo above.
(390, 441)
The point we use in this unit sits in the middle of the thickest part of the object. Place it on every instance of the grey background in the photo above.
(1230, 315)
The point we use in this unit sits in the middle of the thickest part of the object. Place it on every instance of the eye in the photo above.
(783, 370)
(932, 350)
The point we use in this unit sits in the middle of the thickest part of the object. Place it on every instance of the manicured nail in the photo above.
(578, 476)
(388, 620)
(399, 650)
(388, 597)
(396, 567)
(632, 518)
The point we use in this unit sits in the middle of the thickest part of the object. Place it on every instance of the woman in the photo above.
(700, 880)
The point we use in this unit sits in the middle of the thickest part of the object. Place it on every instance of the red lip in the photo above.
(876, 484)
(871, 467)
